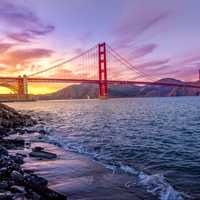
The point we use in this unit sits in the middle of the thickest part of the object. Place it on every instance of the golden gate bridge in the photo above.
(99, 65)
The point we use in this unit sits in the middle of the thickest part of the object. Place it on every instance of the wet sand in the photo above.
(81, 178)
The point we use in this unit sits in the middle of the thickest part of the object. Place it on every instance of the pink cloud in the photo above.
(5, 46)
(144, 50)
(63, 73)
(28, 25)
(137, 24)
(152, 64)
(23, 58)
(21, 37)
(31, 53)
(191, 59)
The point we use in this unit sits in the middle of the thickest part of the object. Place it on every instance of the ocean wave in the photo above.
(155, 184)
(158, 185)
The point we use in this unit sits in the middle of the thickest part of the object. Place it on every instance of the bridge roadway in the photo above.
(96, 81)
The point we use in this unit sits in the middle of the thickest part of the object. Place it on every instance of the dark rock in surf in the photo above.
(38, 149)
(12, 143)
(17, 189)
(35, 182)
(39, 153)
(3, 151)
(4, 185)
(17, 177)
(6, 196)
(53, 195)
(10, 118)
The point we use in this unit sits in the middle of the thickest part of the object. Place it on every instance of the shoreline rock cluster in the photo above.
(40, 153)
(15, 182)
(10, 118)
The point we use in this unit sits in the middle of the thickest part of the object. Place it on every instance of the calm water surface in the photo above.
(155, 139)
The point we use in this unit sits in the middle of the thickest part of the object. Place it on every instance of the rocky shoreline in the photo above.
(15, 182)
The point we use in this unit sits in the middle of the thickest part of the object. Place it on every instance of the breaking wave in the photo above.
(155, 184)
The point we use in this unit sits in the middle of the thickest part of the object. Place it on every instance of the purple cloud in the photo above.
(28, 25)
(86, 37)
(43, 31)
(191, 59)
(136, 25)
(22, 56)
(144, 50)
(189, 69)
(78, 51)
(31, 53)
(21, 37)
(5, 46)
(152, 64)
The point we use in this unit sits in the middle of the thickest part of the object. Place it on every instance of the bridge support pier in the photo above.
(103, 85)
(22, 88)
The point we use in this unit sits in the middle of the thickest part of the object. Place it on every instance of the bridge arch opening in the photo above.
(6, 88)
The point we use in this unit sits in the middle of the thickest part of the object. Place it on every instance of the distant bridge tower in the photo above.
(22, 87)
(103, 85)
(199, 76)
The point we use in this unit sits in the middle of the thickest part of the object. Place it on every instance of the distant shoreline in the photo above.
(8, 101)
(70, 99)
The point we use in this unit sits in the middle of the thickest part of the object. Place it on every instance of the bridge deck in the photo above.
(96, 81)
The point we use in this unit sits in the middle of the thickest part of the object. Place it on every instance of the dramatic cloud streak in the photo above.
(22, 26)
(136, 24)
(5, 46)
(21, 37)
(23, 57)
(26, 24)
(144, 50)
(152, 64)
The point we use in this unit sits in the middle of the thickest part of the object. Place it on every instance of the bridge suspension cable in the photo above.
(126, 63)
(62, 63)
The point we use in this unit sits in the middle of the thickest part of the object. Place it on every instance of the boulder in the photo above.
(53, 195)
(17, 189)
(38, 149)
(17, 177)
(35, 182)
(3, 172)
(12, 143)
(4, 185)
(10, 118)
(6, 196)
(18, 159)
(38, 152)
(3, 151)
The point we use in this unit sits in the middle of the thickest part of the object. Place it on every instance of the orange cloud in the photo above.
(18, 60)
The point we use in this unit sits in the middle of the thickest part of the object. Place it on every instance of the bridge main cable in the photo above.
(62, 63)
(129, 65)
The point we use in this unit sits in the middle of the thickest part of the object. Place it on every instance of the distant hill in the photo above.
(83, 91)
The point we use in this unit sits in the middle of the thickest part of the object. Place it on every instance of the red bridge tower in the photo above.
(103, 85)
(22, 87)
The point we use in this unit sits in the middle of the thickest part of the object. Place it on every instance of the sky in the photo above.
(159, 37)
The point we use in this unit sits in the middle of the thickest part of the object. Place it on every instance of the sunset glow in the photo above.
(159, 37)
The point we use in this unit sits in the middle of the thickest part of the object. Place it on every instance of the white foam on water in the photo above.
(155, 184)
(129, 170)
